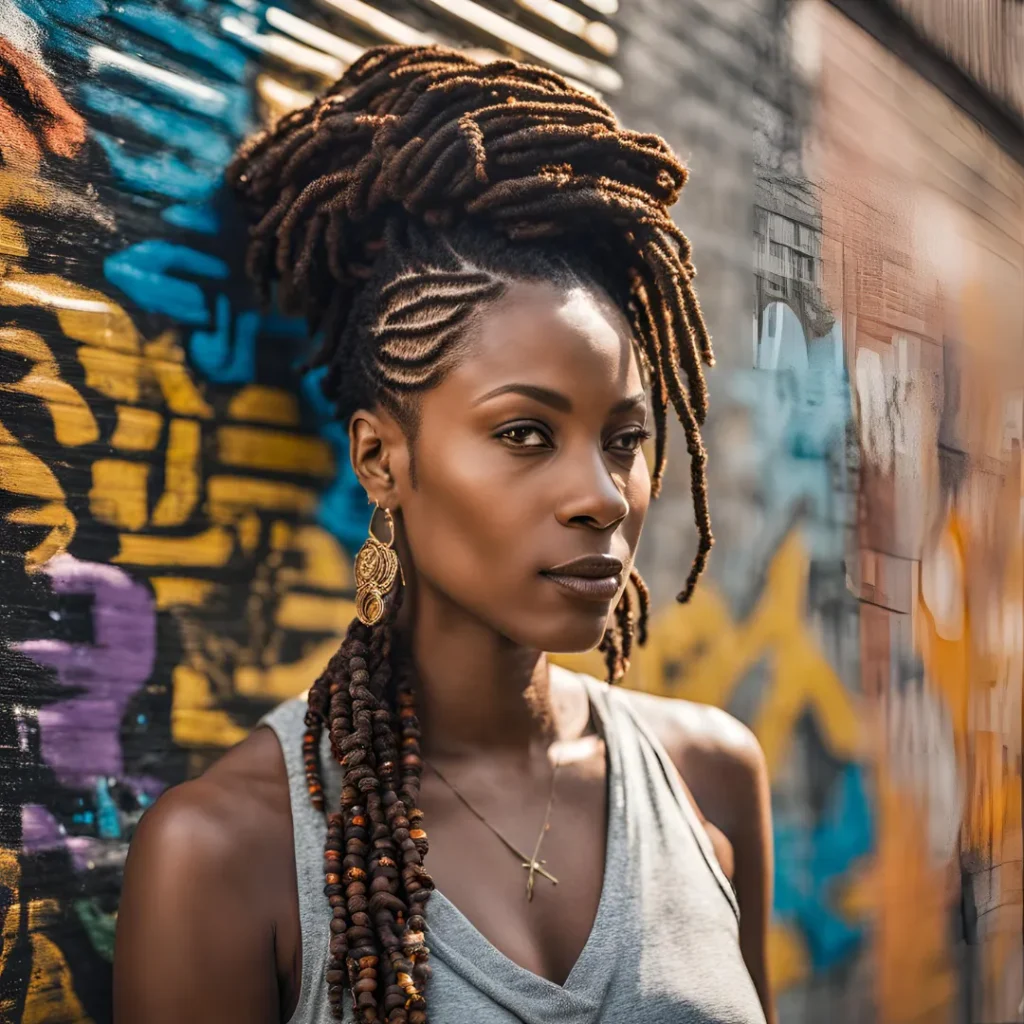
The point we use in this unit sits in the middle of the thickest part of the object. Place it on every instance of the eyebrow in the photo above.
(555, 399)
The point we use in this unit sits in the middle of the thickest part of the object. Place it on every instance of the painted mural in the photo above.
(174, 526)
(177, 512)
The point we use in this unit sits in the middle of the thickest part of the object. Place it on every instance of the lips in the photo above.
(596, 577)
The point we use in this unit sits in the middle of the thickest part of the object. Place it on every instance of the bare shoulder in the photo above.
(718, 757)
(212, 816)
(205, 891)
(685, 727)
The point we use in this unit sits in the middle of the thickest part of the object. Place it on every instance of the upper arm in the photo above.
(190, 943)
(750, 833)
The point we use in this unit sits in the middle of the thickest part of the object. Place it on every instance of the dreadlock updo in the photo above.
(389, 212)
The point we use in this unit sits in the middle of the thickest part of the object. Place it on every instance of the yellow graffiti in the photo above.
(23, 473)
(137, 430)
(181, 476)
(116, 375)
(210, 548)
(118, 493)
(260, 404)
(26, 474)
(907, 898)
(298, 588)
(73, 421)
(280, 682)
(229, 496)
(195, 720)
(325, 565)
(993, 810)
(943, 632)
(12, 239)
(170, 591)
(50, 995)
(314, 613)
(274, 450)
(789, 963)
(60, 523)
(84, 314)
(165, 358)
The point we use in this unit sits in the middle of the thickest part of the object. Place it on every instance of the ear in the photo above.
(377, 449)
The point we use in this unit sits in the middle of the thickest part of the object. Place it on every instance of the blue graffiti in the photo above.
(201, 219)
(109, 823)
(71, 12)
(141, 272)
(209, 146)
(809, 861)
(227, 354)
(185, 37)
(163, 173)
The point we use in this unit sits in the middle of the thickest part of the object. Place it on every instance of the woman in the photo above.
(490, 260)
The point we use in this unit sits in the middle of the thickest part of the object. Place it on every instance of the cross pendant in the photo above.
(534, 868)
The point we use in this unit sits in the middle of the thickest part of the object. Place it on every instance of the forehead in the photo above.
(572, 339)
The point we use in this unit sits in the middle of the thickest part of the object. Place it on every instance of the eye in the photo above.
(630, 441)
(524, 435)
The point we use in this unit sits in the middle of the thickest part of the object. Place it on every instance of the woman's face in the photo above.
(530, 486)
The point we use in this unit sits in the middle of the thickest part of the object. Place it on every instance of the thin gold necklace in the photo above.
(532, 865)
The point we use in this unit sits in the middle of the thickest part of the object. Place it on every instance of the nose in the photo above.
(591, 496)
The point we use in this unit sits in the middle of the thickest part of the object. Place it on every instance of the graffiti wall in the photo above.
(923, 242)
(177, 511)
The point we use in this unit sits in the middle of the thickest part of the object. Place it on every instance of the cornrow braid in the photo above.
(389, 212)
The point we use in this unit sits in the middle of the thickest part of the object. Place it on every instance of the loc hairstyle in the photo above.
(389, 212)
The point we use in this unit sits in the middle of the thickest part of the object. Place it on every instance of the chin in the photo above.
(569, 633)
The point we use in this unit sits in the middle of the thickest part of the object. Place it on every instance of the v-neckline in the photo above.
(579, 989)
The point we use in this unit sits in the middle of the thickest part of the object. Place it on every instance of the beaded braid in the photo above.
(388, 211)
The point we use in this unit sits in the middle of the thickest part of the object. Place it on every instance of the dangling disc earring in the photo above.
(376, 570)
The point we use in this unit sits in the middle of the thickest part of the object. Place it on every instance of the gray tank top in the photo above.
(664, 948)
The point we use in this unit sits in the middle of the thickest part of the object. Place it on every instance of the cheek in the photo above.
(466, 522)
(638, 494)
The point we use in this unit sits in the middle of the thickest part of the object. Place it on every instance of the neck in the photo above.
(478, 691)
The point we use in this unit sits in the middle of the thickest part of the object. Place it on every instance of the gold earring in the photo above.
(376, 569)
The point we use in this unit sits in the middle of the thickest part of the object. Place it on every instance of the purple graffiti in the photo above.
(80, 736)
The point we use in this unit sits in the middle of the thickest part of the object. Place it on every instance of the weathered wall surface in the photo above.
(923, 238)
(175, 507)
